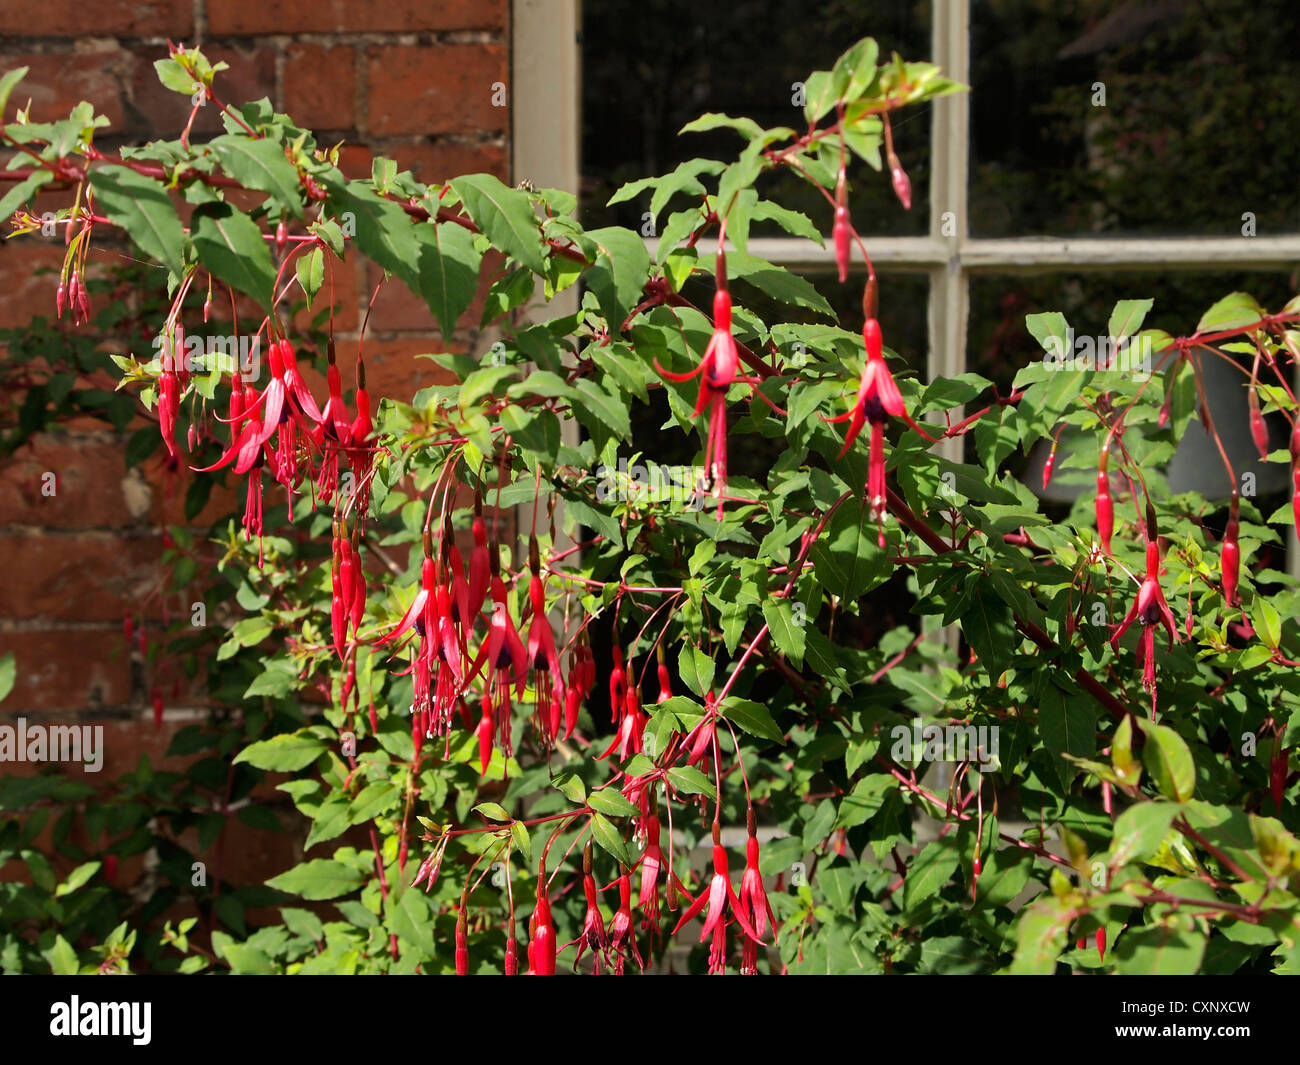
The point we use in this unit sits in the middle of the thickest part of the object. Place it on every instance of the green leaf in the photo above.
(1140, 830)
(1169, 761)
(449, 272)
(260, 163)
(1127, 317)
(7, 83)
(61, 957)
(1069, 726)
(609, 837)
(76, 878)
(847, 558)
(1235, 310)
(619, 273)
(311, 273)
(696, 669)
(380, 228)
(505, 216)
(1040, 937)
(231, 247)
(711, 120)
(785, 629)
(753, 717)
(141, 206)
(22, 192)
(929, 872)
(775, 281)
(8, 671)
(609, 410)
(689, 781)
(321, 878)
(493, 811)
(611, 803)
(1159, 950)
(285, 753)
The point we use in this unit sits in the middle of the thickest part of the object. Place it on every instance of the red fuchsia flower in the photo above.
(628, 738)
(877, 401)
(593, 925)
(359, 449)
(701, 738)
(1230, 553)
(503, 653)
(541, 933)
(421, 619)
(1258, 430)
(622, 934)
(157, 700)
(722, 904)
(582, 679)
(486, 731)
(334, 431)
(479, 567)
(665, 682)
(462, 942)
(1277, 774)
(247, 451)
(1150, 609)
(1295, 473)
(718, 366)
(548, 680)
(753, 903)
(1105, 507)
(617, 683)
(169, 402)
(651, 862)
(842, 230)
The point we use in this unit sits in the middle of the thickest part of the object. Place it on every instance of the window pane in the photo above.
(651, 66)
(1195, 130)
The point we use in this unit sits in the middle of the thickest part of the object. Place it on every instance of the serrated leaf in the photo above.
(321, 878)
(285, 753)
(753, 717)
(231, 247)
(260, 163)
(604, 833)
(140, 205)
(449, 272)
(504, 215)
(611, 803)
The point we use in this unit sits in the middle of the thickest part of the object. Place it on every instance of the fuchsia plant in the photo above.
(778, 693)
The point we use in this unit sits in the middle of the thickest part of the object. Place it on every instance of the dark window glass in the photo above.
(1196, 129)
(651, 66)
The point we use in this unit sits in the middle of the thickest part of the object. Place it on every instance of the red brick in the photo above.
(393, 370)
(77, 576)
(84, 669)
(436, 163)
(56, 83)
(320, 86)
(397, 308)
(345, 297)
(89, 484)
(342, 16)
(164, 112)
(26, 292)
(441, 88)
(119, 18)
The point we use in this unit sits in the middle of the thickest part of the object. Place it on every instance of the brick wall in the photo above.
(410, 79)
